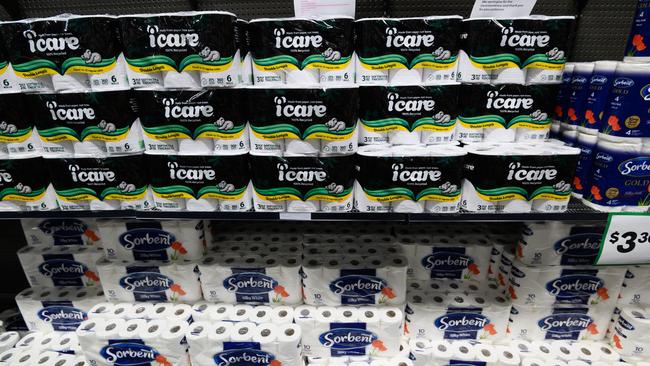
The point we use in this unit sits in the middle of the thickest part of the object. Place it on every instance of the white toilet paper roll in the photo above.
(404, 137)
(202, 204)
(75, 82)
(306, 147)
(114, 79)
(508, 356)
(303, 206)
(345, 75)
(154, 146)
(405, 76)
(195, 147)
(260, 146)
(469, 73)
(302, 77)
(181, 80)
(370, 77)
(463, 350)
(8, 340)
(364, 204)
(510, 75)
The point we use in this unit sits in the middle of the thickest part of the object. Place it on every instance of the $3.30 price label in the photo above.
(626, 239)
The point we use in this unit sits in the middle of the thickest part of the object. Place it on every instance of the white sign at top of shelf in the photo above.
(320, 8)
(626, 240)
(502, 8)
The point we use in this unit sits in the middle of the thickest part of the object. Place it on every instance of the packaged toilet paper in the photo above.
(436, 316)
(581, 182)
(558, 322)
(302, 183)
(298, 51)
(636, 289)
(614, 182)
(151, 281)
(53, 232)
(226, 343)
(24, 187)
(584, 285)
(66, 53)
(350, 331)
(600, 85)
(626, 117)
(336, 280)
(62, 310)
(142, 310)
(272, 245)
(636, 51)
(60, 266)
(250, 278)
(87, 124)
(184, 122)
(243, 42)
(12, 321)
(409, 179)
(562, 96)
(200, 183)
(186, 50)
(407, 115)
(552, 243)
(17, 130)
(258, 314)
(164, 240)
(101, 184)
(630, 336)
(124, 342)
(505, 113)
(412, 51)
(527, 50)
(303, 121)
(518, 177)
(577, 93)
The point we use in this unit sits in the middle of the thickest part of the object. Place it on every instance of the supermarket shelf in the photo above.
(576, 212)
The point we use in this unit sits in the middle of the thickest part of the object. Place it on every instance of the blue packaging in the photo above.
(639, 38)
(561, 99)
(628, 106)
(600, 85)
(586, 143)
(620, 177)
(577, 92)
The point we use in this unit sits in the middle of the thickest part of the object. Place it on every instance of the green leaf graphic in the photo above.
(385, 122)
(35, 64)
(213, 189)
(389, 192)
(196, 59)
(322, 128)
(280, 59)
(159, 130)
(10, 190)
(378, 60)
(503, 190)
(483, 119)
(278, 191)
(214, 128)
(174, 189)
(502, 57)
(280, 127)
(57, 131)
(151, 60)
(94, 129)
(78, 61)
(76, 191)
(115, 190)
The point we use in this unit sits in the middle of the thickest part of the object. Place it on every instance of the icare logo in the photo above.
(565, 323)
(48, 44)
(186, 109)
(397, 40)
(146, 240)
(176, 172)
(402, 173)
(166, 39)
(146, 282)
(524, 174)
(461, 322)
(357, 285)
(250, 283)
(637, 167)
(299, 175)
(347, 338)
(282, 40)
(63, 228)
(90, 175)
(494, 101)
(511, 39)
(305, 109)
(395, 104)
(129, 354)
(574, 286)
(62, 269)
(62, 315)
(623, 83)
(69, 113)
(243, 357)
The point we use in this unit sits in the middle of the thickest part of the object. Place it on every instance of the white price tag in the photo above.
(295, 216)
(626, 239)
(502, 8)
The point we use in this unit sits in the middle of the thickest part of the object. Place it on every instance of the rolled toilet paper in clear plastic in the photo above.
(70, 83)
(298, 146)
(60, 266)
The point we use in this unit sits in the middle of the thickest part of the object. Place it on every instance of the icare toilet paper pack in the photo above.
(57, 309)
(18, 135)
(116, 183)
(227, 343)
(559, 243)
(350, 331)
(233, 278)
(407, 115)
(243, 42)
(166, 240)
(66, 53)
(518, 177)
(60, 266)
(189, 122)
(87, 124)
(299, 51)
(185, 50)
(526, 50)
(201, 183)
(505, 113)
(304, 121)
(435, 315)
(410, 179)
(412, 51)
(151, 281)
(298, 183)
(636, 289)
(24, 186)
(53, 232)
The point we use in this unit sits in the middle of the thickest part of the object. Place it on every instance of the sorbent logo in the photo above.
(347, 338)
(461, 322)
(494, 101)
(565, 323)
(62, 269)
(570, 286)
(62, 228)
(250, 283)
(637, 167)
(61, 315)
(243, 357)
(357, 285)
(623, 83)
(405, 174)
(599, 80)
(446, 261)
(284, 40)
(69, 113)
(128, 354)
(146, 282)
(146, 240)
(407, 40)
(579, 245)
(167, 39)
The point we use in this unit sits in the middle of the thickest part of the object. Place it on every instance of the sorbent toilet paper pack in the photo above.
(231, 278)
(87, 125)
(302, 183)
(412, 51)
(303, 121)
(101, 184)
(408, 115)
(201, 183)
(559, 243)
(558, 322)
(185, 122)
(61, 310)
(600, 84)
(505, 113)
(24, 186)
(630, 336)
(578, 91)
(299, 51)
(180, 50)
(151, 281)
(53, 232)
(69, 53)
(165, 240)
(581, 182)
(60, 266)
(350, 331)
(636, 289)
